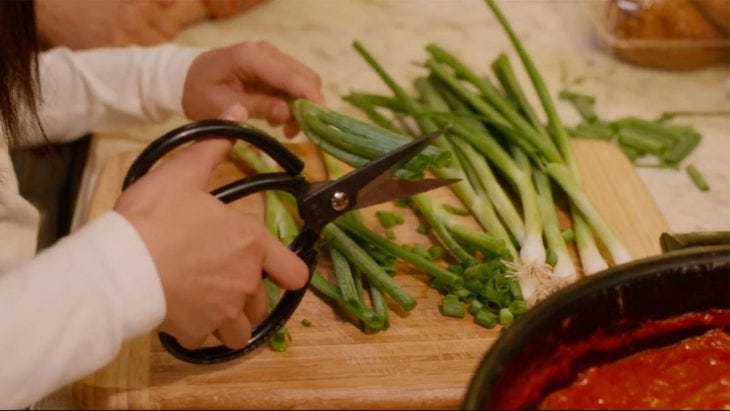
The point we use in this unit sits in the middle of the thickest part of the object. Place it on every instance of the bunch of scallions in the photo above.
(510, 163)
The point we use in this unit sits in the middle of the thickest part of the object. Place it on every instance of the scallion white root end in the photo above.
(592, 261)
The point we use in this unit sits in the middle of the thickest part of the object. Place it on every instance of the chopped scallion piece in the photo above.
(486, 318)
(697, 178)
(505, 317)
(455, 210)
(452, 306)
(388, 219)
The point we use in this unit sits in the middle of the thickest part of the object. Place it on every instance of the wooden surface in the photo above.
(424, 360)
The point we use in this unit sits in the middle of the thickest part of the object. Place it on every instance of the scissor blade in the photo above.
(382, 169)
(361, 187)
(398, 188)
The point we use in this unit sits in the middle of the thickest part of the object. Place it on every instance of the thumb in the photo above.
(195, 164)
(236, 112)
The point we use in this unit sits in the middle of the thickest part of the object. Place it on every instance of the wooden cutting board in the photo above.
(423, 361)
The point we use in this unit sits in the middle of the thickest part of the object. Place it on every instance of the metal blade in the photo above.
(369, 184)
(382, 169)
(398, 188)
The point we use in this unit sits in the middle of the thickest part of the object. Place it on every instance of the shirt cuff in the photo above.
(174, 64)
(131, 271)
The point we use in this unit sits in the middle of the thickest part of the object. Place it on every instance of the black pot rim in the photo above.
(512, 338)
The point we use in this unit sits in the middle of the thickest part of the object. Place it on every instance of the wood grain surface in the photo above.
(423, 361)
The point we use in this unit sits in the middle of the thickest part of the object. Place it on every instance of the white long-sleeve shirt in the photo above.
(65, 312)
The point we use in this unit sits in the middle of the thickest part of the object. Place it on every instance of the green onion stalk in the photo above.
(536, 279)
(494, 191)
(563, 267)
(437, 216)
(530, 268)
(481, 210)
(282, 223)
(618, 252)
(532, 247)
(533, 142)
(326, 129)
(590, 253)
(532, 250)
(591, 259)
(472, 163)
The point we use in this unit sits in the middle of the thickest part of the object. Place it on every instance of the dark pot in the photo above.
(545, 348)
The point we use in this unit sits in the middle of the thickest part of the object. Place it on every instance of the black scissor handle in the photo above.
(201, 130)
(289, 180)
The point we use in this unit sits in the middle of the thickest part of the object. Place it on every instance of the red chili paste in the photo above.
(691, 374)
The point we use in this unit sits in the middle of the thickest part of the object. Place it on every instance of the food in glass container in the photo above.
(668, 34)
(717, 12)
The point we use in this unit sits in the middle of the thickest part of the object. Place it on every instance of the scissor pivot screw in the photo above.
(339, 201)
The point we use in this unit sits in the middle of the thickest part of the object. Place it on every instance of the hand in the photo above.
(81, 24)
(256, 75)
(209, 256)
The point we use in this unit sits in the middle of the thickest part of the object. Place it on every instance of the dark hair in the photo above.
(19, 81)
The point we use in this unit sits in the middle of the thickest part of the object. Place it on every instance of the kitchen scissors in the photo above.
(318, 204)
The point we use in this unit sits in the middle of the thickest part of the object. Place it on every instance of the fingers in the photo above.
(256, 306)
(165, 3)
(194, 165)
(164, 25)
(291, 129)
(235, 333)
(235, 112)
(284, 268)
(280, 71)
(275, 110)
(185, 339)
(272, 108)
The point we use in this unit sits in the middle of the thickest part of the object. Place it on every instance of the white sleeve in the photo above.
(106, 89)
(66, 312)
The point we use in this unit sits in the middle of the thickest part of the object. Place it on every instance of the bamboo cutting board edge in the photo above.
(423, 361)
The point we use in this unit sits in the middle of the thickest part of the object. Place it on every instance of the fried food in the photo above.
(670, 34)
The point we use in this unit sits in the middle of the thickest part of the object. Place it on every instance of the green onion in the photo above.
(563, 267)
(435, 252)
(568, 235)
(348, 290)
(565, 179)
(452, 306)
(455, 210)
(505, 317)
(697, 178)
(585, 104)
(598, 130)
(518, 307)
(357, 229)
(641, 142)
(388, 219)
(486, 318)
(590, 256)
(362, 261)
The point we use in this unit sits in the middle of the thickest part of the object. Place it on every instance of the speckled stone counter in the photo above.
(558, 34)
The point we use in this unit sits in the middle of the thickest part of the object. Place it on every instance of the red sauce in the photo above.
(528, 390)
(691, 374)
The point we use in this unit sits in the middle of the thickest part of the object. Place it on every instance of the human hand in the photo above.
(81, 24)
(209, 256)
(256, 75)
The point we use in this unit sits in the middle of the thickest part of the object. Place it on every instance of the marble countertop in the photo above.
(557, 33)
